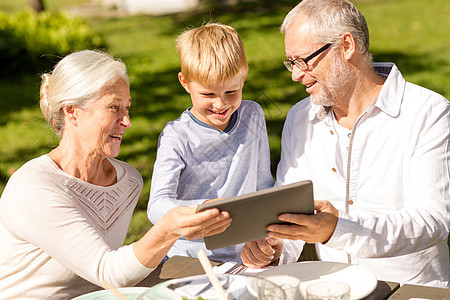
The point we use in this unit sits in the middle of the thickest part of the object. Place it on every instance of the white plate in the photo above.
(191, 286)
(362, 282)
(132, 293)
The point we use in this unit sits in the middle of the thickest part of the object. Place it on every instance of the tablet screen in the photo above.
(253, 212)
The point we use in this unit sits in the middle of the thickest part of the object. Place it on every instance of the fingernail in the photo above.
(282, 218)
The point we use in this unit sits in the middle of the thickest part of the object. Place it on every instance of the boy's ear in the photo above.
(183, 82)
(245, 75)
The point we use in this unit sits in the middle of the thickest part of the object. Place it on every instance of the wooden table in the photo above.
(180, 266)
(408, 291)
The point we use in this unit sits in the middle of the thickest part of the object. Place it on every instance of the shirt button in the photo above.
(350, 202)
(333, 169)
(331, 132)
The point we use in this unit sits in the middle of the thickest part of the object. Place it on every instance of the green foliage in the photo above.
(139, 225)
(411, 33)
(51, 5)
(33, 42)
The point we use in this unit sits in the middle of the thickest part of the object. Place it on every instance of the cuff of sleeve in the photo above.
(344, 232)
(291, 251)
(139, 270)
(124, 268)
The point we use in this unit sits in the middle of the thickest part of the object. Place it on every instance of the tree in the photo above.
(36, 5)
(227, 2)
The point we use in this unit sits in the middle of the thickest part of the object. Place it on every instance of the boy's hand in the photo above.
(260, 253)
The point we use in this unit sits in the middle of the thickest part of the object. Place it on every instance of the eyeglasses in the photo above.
(302, 63)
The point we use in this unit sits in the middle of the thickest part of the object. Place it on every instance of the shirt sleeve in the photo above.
(46, 218)
(292, 249)
(424, 219)
(166, 177)
(265, 179)
(285, 173)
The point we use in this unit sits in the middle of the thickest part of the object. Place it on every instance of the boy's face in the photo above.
(214, 104)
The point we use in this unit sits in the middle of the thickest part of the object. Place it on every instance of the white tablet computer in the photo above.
(253, 212)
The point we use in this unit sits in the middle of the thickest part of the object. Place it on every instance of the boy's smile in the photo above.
(214, 104)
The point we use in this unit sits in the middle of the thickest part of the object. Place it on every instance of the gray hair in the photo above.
(77, 79)
(329, 19)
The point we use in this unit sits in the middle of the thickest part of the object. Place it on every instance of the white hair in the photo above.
(77, 80)
(329, 19)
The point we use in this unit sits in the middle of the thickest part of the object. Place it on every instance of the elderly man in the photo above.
(376, 148)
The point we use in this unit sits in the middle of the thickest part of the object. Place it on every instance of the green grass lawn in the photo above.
(411, 33)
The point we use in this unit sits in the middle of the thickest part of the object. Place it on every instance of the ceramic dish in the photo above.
(132, 293)
(236, 287)
(362, 282)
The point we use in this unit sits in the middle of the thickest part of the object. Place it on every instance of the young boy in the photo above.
(218, 148)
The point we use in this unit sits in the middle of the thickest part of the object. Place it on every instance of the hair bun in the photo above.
(46, 108)
(45, 87)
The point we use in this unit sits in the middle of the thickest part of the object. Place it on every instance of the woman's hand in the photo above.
(186, 222)
(211, 200)
(178, 221)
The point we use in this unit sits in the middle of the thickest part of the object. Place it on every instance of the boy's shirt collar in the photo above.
(230, 126)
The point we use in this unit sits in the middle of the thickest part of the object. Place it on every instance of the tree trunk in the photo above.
(36, 5)
(227, 2)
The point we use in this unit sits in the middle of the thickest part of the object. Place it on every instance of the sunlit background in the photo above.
(411, 33)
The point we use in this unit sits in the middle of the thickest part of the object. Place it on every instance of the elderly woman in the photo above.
(64, 216)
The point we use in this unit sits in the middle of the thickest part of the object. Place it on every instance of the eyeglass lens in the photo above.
(302, 63)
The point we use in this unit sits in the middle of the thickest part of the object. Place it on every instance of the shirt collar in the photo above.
(391, 95)
(233, 120)
(318, 111)
(389, 99)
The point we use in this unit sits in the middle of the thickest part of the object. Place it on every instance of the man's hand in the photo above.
(260, 253)
(316, 228)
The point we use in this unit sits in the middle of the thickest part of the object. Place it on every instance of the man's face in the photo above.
(327, 75)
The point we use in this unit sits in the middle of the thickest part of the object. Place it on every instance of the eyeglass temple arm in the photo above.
(321, 49)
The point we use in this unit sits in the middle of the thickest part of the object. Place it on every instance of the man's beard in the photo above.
(335, 85)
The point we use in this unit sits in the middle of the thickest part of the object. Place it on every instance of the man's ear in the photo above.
(71, 113)
(183, 82)
(349, 44)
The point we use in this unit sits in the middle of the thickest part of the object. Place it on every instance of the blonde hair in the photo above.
(77, 79)
(331, 18)
(211, 53)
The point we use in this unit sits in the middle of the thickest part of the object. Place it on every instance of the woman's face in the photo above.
(102, 124)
